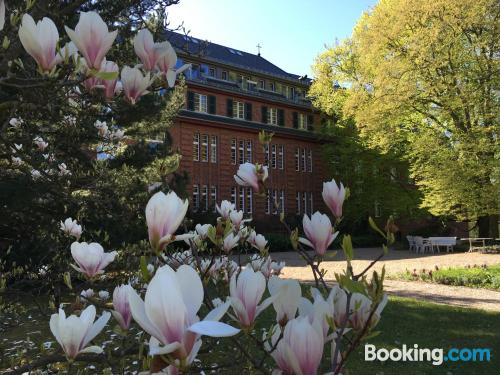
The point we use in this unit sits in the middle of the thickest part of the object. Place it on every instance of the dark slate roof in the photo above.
(227, 55)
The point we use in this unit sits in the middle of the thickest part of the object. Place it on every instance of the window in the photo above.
(233, 151)
(211, 72)
(213, 149)
(302, 121)
(310, 161)
(233, 196)
(268, 202)
(281, 156)
(196, 198)
(272, 116)
(249, 152)
(297, 202)
(223, 75)
(304, 202)
(213, 197)
(204, 198)
(196, 147)
(241, 201)
(275, 200)
(310, 203)
(282, 201)
(249, 202)
(204, 147)
(291, 92)
(200, 103)
(297, 159)
(272, 86)
(377, 209)
(238, 110)
(262, 84)
(304, 160)
(241, 152)
(273, 156)
(266, 154)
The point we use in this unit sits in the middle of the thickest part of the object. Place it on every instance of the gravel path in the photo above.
(399, 261)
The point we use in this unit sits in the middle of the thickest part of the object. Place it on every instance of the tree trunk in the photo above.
(488, 226)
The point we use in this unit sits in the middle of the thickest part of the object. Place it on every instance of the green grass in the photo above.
(408, 321)
(474, 277)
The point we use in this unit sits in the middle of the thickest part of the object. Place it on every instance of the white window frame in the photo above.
(297, 202)
(272, 116)
(249, 151)
(241, 199)
(273, 156)
(268, 202)
(266, 154)
(297, 159)
(302, 121)
(281, 157)
(249, 200)
(233, 195)
(304, 202)
(309, 160)
(213, 149)
(204, 147)
(233, 151)
(200, 103)
(275, 199)
(282, 201)
(241, 151)
(213, 197)
(204, 198)
(196, 147)
(310, 203)
(303, 160)
(196, 198)
(238, 110)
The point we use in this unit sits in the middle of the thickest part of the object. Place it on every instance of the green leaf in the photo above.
(351, 285)
(108, 76)
(144, 268)
(347, 247)
(374, 226)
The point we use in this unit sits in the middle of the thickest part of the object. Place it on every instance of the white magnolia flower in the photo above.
(71, 228)
(74, 333)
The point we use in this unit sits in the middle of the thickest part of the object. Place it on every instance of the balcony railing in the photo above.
(245, 87)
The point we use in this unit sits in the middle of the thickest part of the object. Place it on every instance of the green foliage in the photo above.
(419, 81)
(474, 277)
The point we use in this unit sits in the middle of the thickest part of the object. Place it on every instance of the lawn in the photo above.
(474, 277)
(404, 321)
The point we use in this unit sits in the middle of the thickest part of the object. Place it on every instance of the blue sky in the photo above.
(291, 32)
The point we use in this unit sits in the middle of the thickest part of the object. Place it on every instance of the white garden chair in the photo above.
(423, 245)
(411, 243)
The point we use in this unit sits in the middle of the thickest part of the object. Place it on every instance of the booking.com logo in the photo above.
(436, 355)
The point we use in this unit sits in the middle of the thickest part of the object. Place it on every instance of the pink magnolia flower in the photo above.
(319, 232)
(41, 144)
(225, 209)
(92, 38)
(287, 302)
(164, 215)
(169, 314)
(90, 258)
(257, 240)
(301, 348)
(74, 333)
(121, 306)
(334, 196)
(111, 86)
(230, 241)
(246, 291)
(251, 175)
(40, 40)
(135, 84)
(148, 51)
(71, 228)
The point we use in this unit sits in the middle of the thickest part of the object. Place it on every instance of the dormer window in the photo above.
(262, 84)
(224, 75)
(272, 86)
(211, 72)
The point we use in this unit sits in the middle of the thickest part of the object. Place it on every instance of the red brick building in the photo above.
(232, 95)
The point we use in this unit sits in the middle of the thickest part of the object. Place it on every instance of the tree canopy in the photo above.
(420, 80)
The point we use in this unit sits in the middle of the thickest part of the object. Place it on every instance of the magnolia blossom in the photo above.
(15, 122)
(71, 228)
(74, 333)
(16, 160)
(41, 144)
(236, 218)
(246, 290)
(202, 230)
(164, 214)
(319, 232)
(166, 64)
(148, 51)
(90, 258)
(301, 348)
(35, 174)
(116, 135)
(89, 293)
(134, 83)
(121, 306)
(334, 196)
(17, 147)
(288, 294)
(111, 86)
(251, 175)
(230, 241)
(92, 38)
(257, 240)
(102, 128)
(277, 267)
(169, 314)
(103, 295)
(40, 40)
(225, 209)
(63, 170)
(2, 14)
